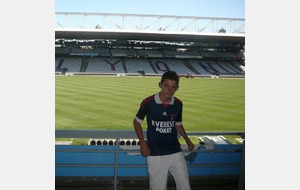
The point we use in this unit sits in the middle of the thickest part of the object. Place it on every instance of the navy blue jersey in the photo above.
(161, 120)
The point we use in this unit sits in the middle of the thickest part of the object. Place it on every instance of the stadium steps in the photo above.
(208, 68)
(188, 65)
(232, 64)
(225, 69)
(58, 67)
(234, 68)
(124, 65)
(152, 66)
(84, 64)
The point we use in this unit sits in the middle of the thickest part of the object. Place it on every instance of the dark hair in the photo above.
(171, 75)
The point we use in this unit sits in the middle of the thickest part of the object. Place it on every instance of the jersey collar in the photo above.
(158, 101)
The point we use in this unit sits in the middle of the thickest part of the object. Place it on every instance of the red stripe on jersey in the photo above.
(146, 100)
(177, 100)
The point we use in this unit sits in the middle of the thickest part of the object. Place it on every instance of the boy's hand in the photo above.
(144, 149)
(191, 145)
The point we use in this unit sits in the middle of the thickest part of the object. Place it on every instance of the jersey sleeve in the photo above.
(140, 116)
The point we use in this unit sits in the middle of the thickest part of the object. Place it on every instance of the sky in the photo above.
(201, 8)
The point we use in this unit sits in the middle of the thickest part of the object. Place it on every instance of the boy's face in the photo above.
(168, 87)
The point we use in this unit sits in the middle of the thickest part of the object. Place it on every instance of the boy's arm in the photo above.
(182, 132)
(143, 144)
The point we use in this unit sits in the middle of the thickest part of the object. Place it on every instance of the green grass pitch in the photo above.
(110, 103)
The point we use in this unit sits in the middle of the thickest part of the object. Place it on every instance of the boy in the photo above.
(162, 148)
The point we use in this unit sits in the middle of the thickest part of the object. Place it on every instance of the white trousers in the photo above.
(159, 168)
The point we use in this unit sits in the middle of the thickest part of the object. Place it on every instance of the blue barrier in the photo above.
(126, 161)
(89, 160)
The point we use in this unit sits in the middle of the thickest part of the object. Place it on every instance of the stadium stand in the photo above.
(151, 66)
(146, 52)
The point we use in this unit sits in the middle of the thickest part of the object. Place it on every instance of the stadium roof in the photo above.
(149, 36)
(118, 29)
